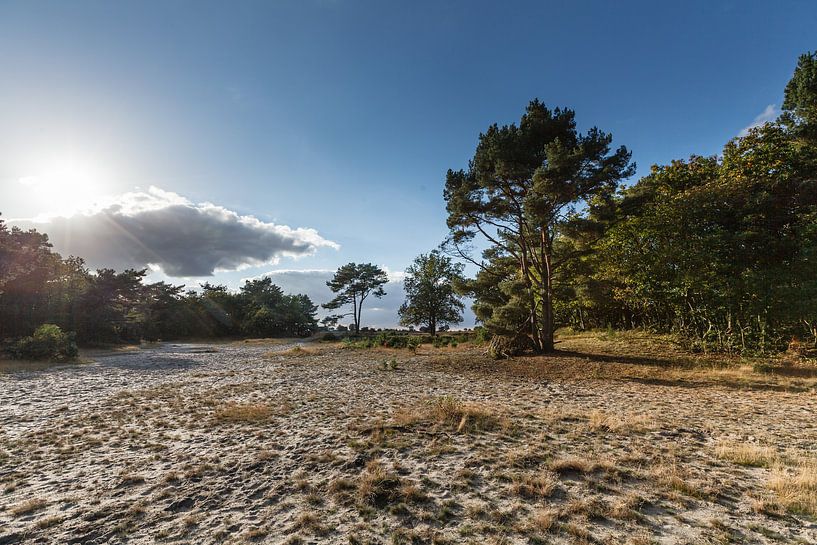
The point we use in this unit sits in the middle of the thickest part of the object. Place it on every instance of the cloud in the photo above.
(161, 229)
(770, 113)
(376, 312)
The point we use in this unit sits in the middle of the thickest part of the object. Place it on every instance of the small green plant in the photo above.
(48, 342)
(444, 340)
(481, 335)
(389, 365)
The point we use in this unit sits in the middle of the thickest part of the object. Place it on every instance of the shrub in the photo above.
(48, 342)
(444, 340)
(329, 337)
(384, 339)
(481, 335)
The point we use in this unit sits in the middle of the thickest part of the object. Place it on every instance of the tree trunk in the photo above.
(526, 274)
(547, 300)
(355, 314)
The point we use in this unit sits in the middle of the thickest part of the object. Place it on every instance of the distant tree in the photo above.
(800, 97)
(353, 283)
(166, 314)
(27, 269)
(527, 187)
(430, 297)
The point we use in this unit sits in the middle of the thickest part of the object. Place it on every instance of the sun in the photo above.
(64, 185)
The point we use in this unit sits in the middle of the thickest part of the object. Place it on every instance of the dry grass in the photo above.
(295, 352)
(747, 454)
(27, 507)
(600, 421)
(796, 486)
(677, 479)
(452, 413)
(625, 507)
(535, 486)
(377, 486)
(311, 522)
(638, 355)
(248, 413)
(543, 520)
(573, 464)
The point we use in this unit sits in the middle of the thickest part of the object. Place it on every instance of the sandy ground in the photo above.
(235, 443)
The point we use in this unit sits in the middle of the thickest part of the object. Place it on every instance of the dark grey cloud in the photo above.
(164, 230)
(376, 312)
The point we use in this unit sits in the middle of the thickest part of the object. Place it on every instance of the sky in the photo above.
(220, 141)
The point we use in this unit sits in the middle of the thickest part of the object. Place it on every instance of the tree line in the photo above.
(38, 286)
(720, 250)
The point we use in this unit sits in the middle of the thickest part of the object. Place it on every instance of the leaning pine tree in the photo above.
(527, 188)
(352, 284)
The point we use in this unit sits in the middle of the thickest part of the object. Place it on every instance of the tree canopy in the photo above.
(38, 286)
(431, 300)
(353, 283)
(528, 186)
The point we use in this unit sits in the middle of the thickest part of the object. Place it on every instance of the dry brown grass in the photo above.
(677, 479)
(452, 413)
(535, 486)
(574, 464)
(295, 352)
(746, 454)
(310, 522)
(376, 485)
(796, 486)
(635, 355)
(600, 421)
(542, 521)
(246, 413)
(27, 507)
(49, 522)
(625, 507)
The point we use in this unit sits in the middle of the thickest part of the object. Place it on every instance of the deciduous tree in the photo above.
(430, 297)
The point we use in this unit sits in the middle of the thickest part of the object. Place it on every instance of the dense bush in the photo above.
(48, 342)
(384, 339)
(442, 341)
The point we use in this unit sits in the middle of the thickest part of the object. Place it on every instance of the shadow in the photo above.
(607, 358)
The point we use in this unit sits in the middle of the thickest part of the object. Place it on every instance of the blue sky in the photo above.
(342, 116)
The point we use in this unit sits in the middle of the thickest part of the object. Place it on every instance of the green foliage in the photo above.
(353, 283)
(384, 339)
(800, 95)
(38, 286)
(430, 297)
(529, 186)
(48, 342)
(442, 341)
(480, 336)
(718, 250)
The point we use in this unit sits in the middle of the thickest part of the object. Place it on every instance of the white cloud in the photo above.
(163, 230)
(770, 113)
